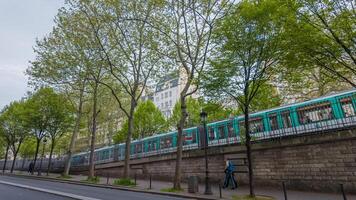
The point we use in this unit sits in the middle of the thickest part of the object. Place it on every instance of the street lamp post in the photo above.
(203, 116)
(43, 149)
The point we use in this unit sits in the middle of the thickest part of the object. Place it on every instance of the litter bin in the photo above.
(193, 185)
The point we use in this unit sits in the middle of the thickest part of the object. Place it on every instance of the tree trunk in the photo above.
(36, 154)
(248, 150)
(128, 139)
(15, 155)
(74, 135)
(6, 154)
(50, 157)
(93, 134)
(177, 175)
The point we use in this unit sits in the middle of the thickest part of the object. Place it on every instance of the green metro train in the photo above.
(335, 111)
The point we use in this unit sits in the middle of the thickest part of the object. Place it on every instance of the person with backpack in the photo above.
(229, 175)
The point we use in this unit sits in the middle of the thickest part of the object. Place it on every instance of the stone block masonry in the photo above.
(318, 162)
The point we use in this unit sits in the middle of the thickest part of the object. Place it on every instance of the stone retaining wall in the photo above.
(317, 162)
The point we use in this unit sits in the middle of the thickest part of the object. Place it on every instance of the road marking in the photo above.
(70, 195)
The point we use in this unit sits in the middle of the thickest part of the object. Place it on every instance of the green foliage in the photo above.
(28, 148)
(245, 59)
(171, 190)
(148, 120)
(124, 182)
(95, 180)
(193, 109)
(63, 176)
(318, 42)
(62, 144)
(14, 124)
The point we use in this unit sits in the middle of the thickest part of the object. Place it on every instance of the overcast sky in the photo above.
(21, 22)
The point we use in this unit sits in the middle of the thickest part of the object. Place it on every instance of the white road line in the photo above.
(73, 196)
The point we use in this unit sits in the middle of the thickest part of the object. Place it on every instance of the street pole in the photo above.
(203, 116)
(43, 149)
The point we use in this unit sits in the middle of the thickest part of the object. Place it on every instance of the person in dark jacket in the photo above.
(229, 175)
(30, 168)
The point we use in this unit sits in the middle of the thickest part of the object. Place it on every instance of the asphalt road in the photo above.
(16, 193)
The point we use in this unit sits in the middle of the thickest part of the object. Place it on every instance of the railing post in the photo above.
(135, 178)
(343, 191)
(150, 181)
(107, 178)
(220, 190)
(284, 191)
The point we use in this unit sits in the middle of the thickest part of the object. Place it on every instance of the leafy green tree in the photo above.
(149, 120)
(248, 48)
(321, 35)
(42, 108)
(14, 125)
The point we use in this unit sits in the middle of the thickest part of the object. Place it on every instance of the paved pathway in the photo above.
(227, 193)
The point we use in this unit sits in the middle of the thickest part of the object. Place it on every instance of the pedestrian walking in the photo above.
(30, 168)
(229, 175)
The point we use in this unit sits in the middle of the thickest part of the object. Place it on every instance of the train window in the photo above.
(230, 129)
(152, 146)
(273, 122)
(315, 113)
(256, 125)
(286, 120)
(211, 133)
(189, 136)
(347, 107)
(221, 131)
(166, 142)
(138, 148)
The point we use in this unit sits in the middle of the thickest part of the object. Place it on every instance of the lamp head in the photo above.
(203, 116)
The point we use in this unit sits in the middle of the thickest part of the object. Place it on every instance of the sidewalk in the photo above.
(157, 186)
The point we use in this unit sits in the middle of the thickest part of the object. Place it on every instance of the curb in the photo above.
(110, 187)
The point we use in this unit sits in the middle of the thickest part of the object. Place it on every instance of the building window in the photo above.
(161, 95)
(162, 105)
(166, 104)
(170, 93)
(170, 102)
(166, 94)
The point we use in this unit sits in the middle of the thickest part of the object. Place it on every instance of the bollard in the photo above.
(284, 191)
(343, 192)
(107, 178)
(220, 190)
(135, 179)
(150, 181)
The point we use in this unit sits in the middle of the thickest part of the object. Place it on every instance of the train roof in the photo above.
(325, 97)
